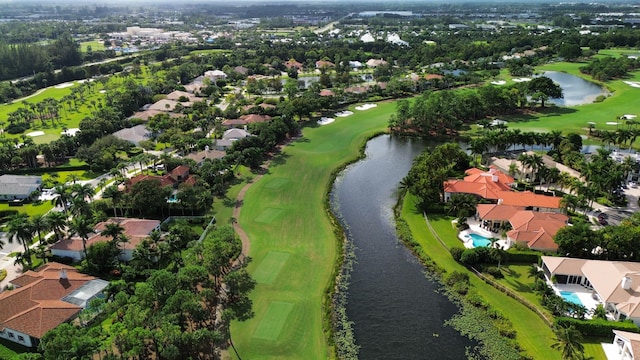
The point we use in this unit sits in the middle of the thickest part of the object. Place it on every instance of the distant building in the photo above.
(375, 62)
(133, 134)
(18, 187)
(44, 299)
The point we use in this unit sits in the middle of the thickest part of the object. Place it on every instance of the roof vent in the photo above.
(626, 283)
(63, 274)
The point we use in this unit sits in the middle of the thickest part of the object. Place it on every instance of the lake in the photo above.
(396, 310)
(576, 90)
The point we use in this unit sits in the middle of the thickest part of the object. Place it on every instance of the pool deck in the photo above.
(585, 295)
(474, 227)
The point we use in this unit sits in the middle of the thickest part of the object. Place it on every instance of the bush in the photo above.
(3, 274)
(62, 259)
(597, 327)
(494, 271)
(16, 128)
(470, 257)
(526, 257)
(456, 253)
(599, 99)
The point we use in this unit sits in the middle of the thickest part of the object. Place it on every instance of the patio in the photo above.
(476, 228)
(587, 297)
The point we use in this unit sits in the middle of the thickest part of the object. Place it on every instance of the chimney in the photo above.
(63, 274)
(626, 283)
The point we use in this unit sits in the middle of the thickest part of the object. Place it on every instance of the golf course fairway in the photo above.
(293, 246)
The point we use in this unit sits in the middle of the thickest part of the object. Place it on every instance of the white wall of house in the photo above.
(76, 255)
(624, 348)
(17, 337)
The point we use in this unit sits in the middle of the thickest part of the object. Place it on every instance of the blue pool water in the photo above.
(571, 297)
(479, 240)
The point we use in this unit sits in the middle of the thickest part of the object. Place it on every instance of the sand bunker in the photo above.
(325, 121)
(70, 132)
(499, 82)
(62, 86)
(628, 116)
(102, 91)
(634, 84)
(523, 79)
(366, 106)
(612, 123)
(35, 133)
(344, 113)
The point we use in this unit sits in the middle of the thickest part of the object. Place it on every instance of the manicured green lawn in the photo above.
(284, 216)
(68, 119)
(9, 350)
(96, 45)
(31, 209)
(532, 333)
(623, 100)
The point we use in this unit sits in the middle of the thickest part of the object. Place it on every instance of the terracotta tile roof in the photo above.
(494, 176)
(433, 76)
(324, 63)
(232, 122)
(175, 95)
(537, 229)
(255, 118)
(165, 180)
(497, 212)
(484, 190)
(36, 308)
(326, 92)
(527, 198)
(292, 63)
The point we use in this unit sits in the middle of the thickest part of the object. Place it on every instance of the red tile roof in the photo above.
(292, 63)
(36, 307)
(326, 92)
(255, 118)
(537, 229)
(232, 122)
(527, 198)
(433, 76)
(497, 212)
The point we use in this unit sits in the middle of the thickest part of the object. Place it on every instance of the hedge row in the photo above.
(597, 327)
(524, 257)
(48, 169)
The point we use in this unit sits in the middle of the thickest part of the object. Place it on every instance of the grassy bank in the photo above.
(293, 245)
(533, 334)
(622, 101)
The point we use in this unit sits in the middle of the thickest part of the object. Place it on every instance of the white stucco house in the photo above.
(18, 187)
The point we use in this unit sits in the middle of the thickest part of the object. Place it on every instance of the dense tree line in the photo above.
(610, 68)
(17, 60)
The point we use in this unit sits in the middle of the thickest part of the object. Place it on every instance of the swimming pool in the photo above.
(479, 240)
(571, 297)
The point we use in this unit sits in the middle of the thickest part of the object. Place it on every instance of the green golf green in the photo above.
(268, 215)
(270, 267)
(273, 320)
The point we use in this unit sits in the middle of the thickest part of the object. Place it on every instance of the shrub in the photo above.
(597, 327)
(599, 99)
(470, 257)
(455, 277)
(456, 253)
(3, 274)
(494, 271)
(527, 257)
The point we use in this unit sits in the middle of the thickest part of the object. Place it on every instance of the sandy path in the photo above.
(246, 243)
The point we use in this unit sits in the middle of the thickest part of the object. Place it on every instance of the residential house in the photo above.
(18, 187)
(183, 95)
(375, 62)
(232, 123)
(200, 156)
(133, 134)
(166, 105)
(625, 346)
(241, 70)
(134, 229)
(147, 114)
(255, 118)
(292, 63)
(324, 64)
(528, 228)
(215, 75)
(615, 283)
(326, 92)
(495, 185)
(44, 299)
(229, 137)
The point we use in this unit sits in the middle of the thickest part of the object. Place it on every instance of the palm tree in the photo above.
(113, 229)
(80, 206)
(568, 341)
(19, 228)
(115, 195)
(64, 196)
(56, 222)
(84, 191)
(80, 226)
(462, 205)
(39, 223)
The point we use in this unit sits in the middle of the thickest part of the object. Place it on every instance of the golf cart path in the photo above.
(244, 238)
